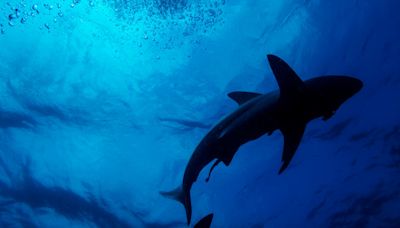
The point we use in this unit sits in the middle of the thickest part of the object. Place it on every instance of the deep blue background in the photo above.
(85, 87)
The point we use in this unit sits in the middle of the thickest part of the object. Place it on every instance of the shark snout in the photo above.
(338, 89)
(358, 84)
(354, 85)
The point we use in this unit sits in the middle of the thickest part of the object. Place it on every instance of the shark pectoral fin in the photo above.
(242, 97)
(292, 137)
(288, 81)
(212, 168)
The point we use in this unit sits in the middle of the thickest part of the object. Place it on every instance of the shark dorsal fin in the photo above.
(242, 97)
(289, 83)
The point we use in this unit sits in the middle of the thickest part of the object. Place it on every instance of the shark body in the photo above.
(288, 109)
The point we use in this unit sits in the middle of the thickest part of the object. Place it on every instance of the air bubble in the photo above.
(35, 8)
(12, 16)
(17, 13)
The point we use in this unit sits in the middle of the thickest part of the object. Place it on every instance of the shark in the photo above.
(288, 109)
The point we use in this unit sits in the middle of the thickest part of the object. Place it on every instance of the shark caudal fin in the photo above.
(288, 81)
(178, 195)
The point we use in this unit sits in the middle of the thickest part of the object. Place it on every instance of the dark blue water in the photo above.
(102, 103)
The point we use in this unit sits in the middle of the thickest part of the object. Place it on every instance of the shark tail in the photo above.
(179, 195)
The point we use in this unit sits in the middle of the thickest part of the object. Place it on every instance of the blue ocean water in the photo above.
(102, 103)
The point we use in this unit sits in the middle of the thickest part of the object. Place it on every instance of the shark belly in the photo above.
(248, 127)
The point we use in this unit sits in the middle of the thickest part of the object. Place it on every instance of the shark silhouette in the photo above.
(204, 222)
(288, 109)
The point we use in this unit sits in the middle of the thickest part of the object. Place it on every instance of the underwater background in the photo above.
(102, 103)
